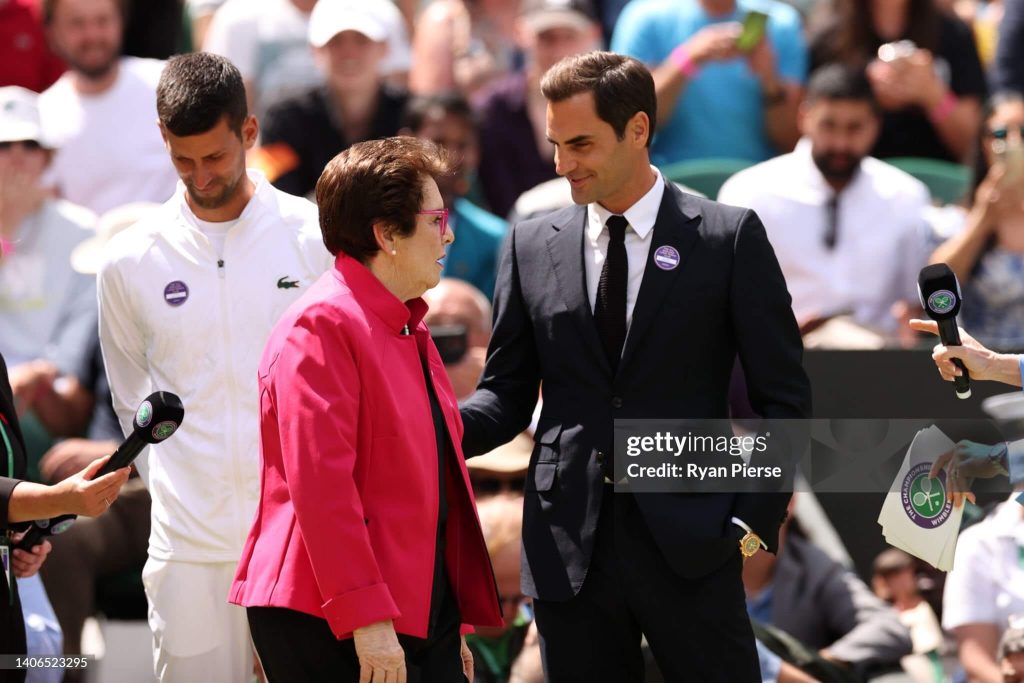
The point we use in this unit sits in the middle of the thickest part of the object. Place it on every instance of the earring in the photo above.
(394, 252)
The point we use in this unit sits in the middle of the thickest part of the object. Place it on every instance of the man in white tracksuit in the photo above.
(187, 299)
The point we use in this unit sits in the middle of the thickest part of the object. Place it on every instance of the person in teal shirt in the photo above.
(715, 100)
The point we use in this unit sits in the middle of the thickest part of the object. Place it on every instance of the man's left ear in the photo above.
(250, 131)
(639, 129)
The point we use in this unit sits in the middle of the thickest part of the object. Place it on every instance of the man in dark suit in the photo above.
(633, 304)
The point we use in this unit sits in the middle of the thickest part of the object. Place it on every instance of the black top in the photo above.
(12, 462)
(510, 163)
(440, 586)
(909, 132)
(12, 467)
(309, 134)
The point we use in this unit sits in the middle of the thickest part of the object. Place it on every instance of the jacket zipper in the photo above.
(233, 393)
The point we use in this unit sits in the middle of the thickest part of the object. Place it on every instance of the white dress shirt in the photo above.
(641, 217)
(880, 246)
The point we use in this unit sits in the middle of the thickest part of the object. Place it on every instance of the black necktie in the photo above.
(610, 309)
(832, 222)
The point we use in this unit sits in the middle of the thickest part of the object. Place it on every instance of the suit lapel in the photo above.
(676, 228)
(565, 246)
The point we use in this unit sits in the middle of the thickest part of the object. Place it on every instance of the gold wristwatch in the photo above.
(751, 542)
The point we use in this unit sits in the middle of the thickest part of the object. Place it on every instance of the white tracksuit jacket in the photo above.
(174, 317)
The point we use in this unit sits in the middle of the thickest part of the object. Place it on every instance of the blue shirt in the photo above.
(720, 113)
(473, 256)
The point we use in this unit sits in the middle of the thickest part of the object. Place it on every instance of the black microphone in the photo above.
(157, 418)
(940, 296)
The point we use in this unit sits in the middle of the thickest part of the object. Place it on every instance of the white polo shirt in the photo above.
(881, 234)
(986, 585)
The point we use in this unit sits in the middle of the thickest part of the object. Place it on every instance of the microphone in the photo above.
(940, 296)
(157, 418)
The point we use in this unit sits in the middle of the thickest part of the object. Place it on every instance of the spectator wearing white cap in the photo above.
(302, 133)
(267, 41)
(41, 297)
(100, 115)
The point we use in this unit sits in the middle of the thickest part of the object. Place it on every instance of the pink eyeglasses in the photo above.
(442, 214)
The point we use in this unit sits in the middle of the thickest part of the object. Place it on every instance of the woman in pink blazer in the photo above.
(365, 561)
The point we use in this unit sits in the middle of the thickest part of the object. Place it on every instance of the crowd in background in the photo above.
(836, 125)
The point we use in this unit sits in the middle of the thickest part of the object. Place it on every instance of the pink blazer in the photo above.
(347, 521)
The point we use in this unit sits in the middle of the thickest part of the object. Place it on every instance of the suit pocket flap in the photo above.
(548, 432)
(543, 476)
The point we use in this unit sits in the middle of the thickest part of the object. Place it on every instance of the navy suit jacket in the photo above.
(726, 297)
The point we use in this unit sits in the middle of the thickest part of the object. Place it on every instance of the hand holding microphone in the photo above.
(960, 356)
(940, 296)
(91, 491)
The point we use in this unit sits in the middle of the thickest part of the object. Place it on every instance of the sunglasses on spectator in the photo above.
(1002, 132)
(30, 145)
(441, 214)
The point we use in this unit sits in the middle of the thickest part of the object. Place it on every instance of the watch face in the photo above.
(749, 545)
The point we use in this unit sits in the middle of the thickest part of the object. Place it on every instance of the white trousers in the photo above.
(197, 635)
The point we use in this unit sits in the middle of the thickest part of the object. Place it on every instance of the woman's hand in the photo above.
(982, 363)
(905, 82)
(381, 658)
(919, 81)
(82, 495)
(26, 563)
(993, 201)
(467, 661)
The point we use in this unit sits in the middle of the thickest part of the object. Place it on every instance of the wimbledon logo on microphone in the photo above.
(924, 499)
(164, 430)
(943, 301)
(145, 414)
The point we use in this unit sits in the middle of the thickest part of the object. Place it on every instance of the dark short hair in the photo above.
(418, 109)
(621, 85)
(839, 81)
(196, 91)
(378, 181)
(49, 8)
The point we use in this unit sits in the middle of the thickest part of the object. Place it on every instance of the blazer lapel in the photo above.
(676, 229)
(565, 246)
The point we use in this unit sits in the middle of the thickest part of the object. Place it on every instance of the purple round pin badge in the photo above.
(666, 258)
(176, 293)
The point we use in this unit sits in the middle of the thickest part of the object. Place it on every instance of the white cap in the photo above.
(19, 115)
(331, 17)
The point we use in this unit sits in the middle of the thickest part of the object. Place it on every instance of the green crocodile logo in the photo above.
(285, 283)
